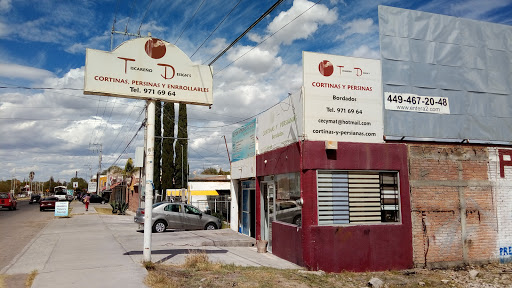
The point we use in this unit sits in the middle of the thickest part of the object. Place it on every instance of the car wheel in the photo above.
(210, 226)
(41, 209)
(10, 208)
(159, 226)
(297, 220)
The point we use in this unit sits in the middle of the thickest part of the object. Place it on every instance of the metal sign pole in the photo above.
(148, 202)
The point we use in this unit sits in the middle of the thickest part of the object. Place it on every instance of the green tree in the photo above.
(168, 147)
(128, 168)
(158, 146)
(112, 170)
(181, 148)
(82, 184)
(210, 171)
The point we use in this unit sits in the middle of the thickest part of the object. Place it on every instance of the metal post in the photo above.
(148, 203)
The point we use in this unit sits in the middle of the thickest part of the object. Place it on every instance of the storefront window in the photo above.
(287, 202)
(357, 197)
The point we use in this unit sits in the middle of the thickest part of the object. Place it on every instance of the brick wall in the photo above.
(452, 205)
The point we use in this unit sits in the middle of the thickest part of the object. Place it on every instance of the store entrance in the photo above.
(267, 213)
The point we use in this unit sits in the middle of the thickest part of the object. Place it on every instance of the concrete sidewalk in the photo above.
(79, 251)
(93, 250)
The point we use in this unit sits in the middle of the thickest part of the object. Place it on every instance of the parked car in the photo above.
(34, 198)
(179, 216)
(289, 212)
(7, 200)
(48, 203)
(61, 195)
(96, 199)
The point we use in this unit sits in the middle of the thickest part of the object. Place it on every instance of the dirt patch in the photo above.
(206, 274)
(15, 281)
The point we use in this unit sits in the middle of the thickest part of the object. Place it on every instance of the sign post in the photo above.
(148, 199)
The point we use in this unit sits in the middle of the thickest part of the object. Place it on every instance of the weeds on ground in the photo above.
(199, 271)
(2, 281)
(30, 278)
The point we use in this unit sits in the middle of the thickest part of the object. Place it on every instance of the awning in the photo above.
(193, 192)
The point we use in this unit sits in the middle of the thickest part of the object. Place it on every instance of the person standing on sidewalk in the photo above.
(87, 198)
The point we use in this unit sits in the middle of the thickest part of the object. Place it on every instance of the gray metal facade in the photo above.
(467, 61)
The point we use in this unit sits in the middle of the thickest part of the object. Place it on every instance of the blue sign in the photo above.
(244, 141)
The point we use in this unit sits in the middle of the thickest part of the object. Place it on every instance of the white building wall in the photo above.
(502, 191)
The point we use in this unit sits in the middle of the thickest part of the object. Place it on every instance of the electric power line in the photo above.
(267, 38)
(190, 20)
(225, 17)
(247, 31)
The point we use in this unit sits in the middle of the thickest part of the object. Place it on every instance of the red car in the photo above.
(48, 203)
(8, 201)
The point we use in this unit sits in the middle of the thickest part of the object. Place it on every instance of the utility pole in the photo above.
(99, 150)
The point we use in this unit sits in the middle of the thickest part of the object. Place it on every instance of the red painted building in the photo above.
(333, 248)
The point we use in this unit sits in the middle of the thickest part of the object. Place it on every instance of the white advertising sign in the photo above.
(342, 98)
(92, 187)
(148, 68)
(61, 208)
(75, 184)
(281, 125)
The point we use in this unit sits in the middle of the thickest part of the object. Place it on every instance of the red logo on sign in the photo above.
(155, 48)
(326, 68)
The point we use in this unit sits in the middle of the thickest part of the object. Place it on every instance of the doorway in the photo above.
(267, 211)
(248, 200)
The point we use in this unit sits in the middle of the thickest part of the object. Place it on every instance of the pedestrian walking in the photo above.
(87, 198)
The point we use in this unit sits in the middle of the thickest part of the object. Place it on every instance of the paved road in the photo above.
(19, 227)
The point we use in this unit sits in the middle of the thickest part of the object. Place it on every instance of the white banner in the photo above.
(148, 68)
(416, 103)
(281, 125)
(343, 98)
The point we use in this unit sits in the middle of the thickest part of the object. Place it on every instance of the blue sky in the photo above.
(42, 44)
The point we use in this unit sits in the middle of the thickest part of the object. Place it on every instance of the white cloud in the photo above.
(303, 26)
(364, 51)
(475, 9)
(255, 61)
(5, 5)
(358, 26)
(15, 71)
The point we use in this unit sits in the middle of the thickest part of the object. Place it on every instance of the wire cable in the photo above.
(144, 17)
(225, 17)
(190, 20)
(267, 38)
(246, 31)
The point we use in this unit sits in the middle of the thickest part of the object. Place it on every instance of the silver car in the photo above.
(179, 216)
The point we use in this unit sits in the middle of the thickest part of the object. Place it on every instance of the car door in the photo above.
(192, 218)
(174, 215)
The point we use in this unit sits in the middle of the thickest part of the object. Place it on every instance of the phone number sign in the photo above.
(416, 103)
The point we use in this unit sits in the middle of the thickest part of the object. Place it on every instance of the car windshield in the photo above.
(4, 196)
(157, 204)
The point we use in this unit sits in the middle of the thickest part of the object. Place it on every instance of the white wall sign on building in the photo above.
(342, 98)
(148, 68)
(281, 125)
